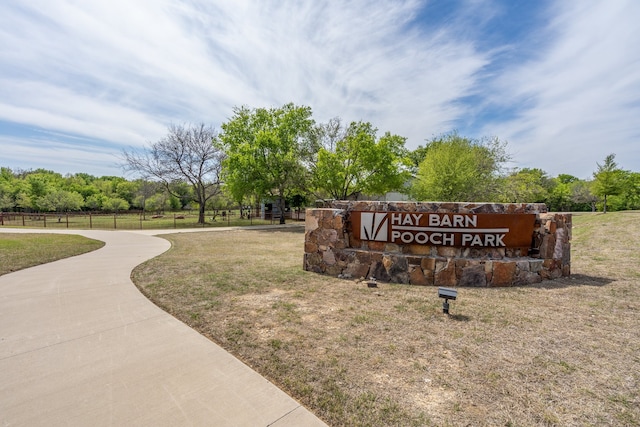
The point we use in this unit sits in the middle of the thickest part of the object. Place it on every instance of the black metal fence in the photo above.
(142, 220)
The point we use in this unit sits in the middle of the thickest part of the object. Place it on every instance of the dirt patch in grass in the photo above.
(565, 352)
(18, 250)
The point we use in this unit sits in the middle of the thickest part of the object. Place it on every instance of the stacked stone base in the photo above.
(330, 248)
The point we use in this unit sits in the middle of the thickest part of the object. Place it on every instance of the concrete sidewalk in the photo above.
(80, 346)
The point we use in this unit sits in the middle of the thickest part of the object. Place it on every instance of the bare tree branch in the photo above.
(188, 153)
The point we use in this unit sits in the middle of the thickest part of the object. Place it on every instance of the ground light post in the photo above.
(447, 294)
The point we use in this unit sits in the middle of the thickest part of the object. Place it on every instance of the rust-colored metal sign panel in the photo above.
(445, 229)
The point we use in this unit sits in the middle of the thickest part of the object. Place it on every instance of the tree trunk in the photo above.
(281, 206)
(201, 214)
(604, 208)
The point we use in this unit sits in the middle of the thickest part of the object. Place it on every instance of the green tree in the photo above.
(582, 197)
(38, 184)
(355, 163)
(632, 190)
(190, 154)
(525, 186)
(416, 157)
(16, 190)
(460, 169)
(629, 195)
(608, 180)
(81, 183)
(94, 202)
(567, 179)
(6, 201)
(182, 194)
(115, 204)
(7, 187)
(158, 203)
(107, 185)
(561, 193)
(23, 201)
(61, 201)
(145, 190)
(127, 190)
(265, 148)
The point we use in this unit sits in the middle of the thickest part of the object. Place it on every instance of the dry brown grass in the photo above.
(566, 352)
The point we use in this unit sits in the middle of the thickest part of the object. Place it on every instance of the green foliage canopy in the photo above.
(608, 179)
(61, 201)
(459, 169)
(525, 186)
(356, 163)
(264, 148)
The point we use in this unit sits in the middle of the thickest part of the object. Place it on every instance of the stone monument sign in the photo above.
(442, 244)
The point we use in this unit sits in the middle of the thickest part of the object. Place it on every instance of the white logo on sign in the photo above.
(373, 226)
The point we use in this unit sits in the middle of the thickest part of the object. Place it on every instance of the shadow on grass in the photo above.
(294, 228)
(573, 281)
(459, 317)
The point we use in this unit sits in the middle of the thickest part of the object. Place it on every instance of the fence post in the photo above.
(90, 221)
(115, 225)
(23, 219)
(1, 219)
(45, 220)
(67, 219)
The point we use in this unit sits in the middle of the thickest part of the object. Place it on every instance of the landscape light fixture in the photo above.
(447, 294)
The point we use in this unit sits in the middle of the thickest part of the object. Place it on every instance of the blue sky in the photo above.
(559, 81)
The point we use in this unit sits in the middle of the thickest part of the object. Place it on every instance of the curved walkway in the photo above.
(80, 345)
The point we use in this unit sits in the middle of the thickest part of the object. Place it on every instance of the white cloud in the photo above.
(582, 91)
(51, 107)
(120, 71)
(47, 151)
(194, 61)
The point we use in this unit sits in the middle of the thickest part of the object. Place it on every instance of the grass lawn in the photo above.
(564, 352)
(128, 221)
(18, 251)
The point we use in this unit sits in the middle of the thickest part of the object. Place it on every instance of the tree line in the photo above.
(283, 156)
